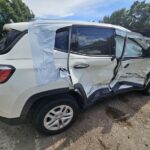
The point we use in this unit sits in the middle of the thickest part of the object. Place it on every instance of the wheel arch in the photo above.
(43, 97)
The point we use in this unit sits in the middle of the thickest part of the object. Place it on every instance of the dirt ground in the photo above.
(118, 123)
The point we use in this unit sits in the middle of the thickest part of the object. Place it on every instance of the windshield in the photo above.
(8, 39)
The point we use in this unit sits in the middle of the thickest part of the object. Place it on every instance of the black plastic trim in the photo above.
(99, 94)
(12, 121)
(37, 96)
(134, 85)
(81, 91)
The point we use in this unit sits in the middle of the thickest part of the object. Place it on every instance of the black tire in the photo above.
(40, 113)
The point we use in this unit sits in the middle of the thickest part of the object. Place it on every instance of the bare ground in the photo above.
(118, 123)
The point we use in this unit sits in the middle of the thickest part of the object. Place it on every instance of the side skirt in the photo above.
(105, 92)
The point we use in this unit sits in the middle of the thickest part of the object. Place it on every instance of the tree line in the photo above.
(137, 18)
(13, 11)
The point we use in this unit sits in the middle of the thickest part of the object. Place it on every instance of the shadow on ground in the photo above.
(101, 116)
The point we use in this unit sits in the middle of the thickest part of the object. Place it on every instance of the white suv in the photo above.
(50, 70)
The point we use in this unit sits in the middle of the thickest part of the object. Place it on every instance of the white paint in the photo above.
(25, 25)
(23, 84)
(98, 74)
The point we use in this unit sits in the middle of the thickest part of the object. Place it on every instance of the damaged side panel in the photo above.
(90, 59)
(133, 65)
(101, 76)
(101, 60)
(96, 76)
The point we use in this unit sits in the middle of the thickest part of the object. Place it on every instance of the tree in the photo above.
(137, 18)
(13, 10)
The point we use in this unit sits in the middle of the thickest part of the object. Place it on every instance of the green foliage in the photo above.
(13, 10)
(137, 18)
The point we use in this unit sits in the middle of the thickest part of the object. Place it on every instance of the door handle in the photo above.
(81, 66)
(126, 65)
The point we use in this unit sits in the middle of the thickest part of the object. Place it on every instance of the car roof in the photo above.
(25, 25)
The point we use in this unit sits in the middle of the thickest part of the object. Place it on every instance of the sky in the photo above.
(87, 10)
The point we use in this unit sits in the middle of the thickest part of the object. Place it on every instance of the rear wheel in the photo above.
(56, 116)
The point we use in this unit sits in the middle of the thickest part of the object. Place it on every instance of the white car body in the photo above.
(22, 85)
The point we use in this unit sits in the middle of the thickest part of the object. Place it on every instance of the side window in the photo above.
(119, 45)
(92, 40)
(9, 39)
(133, 49)
(62, 39)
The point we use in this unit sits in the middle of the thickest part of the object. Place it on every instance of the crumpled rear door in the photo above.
(87, 66)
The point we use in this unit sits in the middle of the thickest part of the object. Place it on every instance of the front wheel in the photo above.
(56, 116)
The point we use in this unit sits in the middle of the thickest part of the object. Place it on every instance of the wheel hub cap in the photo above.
(58, 117)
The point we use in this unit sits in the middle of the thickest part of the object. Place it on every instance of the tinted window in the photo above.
(133, 49)
(61, 39)
(8, 39)
(92, 40)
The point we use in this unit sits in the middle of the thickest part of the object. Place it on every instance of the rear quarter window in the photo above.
(9, 39)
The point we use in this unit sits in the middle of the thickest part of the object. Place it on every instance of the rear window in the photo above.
(9, 40)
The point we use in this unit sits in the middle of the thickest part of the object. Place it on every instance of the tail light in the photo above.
(6, 72)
